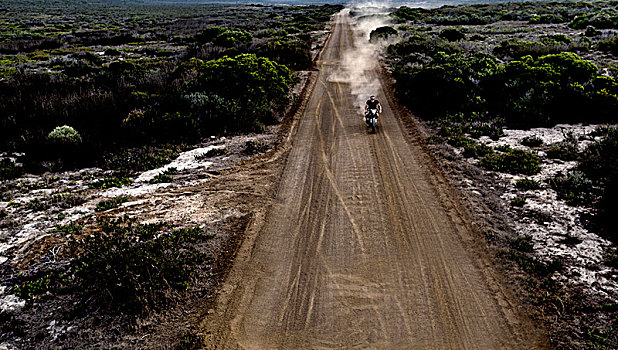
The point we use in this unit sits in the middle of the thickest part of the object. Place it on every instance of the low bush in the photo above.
(71, 228)
(477, 150)
(452, 34)
(382, 33)
(132, 267)
(592, 31)
(255, 146)
(503, 148)
(610, 45)
(9, 170)
(461, 141)
(527, 184)
(518, 48)
(549, 90)
(216, 152)
(63, 200)
(546, 19)
(110, 182)
(133, 160)
(518, 202)
(610, 258)
(110, 203)
(575, 188)
(224, 37)
(447, 85)
(293, 53)
(40, 285)
(532, 141)
(599, 19)
(532, 265)
(516, 161)
(164, 177)
(245, 92)
(522, 244)
(479, 128)
(64, 135)
(566, 149)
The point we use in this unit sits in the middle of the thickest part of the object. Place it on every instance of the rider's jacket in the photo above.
(372, 104)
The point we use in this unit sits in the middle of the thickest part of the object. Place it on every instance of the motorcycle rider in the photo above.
(372, 103)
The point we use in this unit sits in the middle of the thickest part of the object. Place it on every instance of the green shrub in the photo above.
(518, 201)
(516, 161)
(216, 152)
(599, 160)
(293, 53)
(9, 170)
(244, 92)
(561, 38)
(575, 188)
(255, 146)
(460, 141)
(112, 52)
(70, 229)
(561, 151)
(566, 149)
(532, 265)
(110, 203)
(610, 45)
(64, 135)
(382, 33)
(610, 258)
(549, 90)
(546, 19)
(592, 31)
(532, 141)
(62, 199)
(522, 244)
(224, 37)
(477, 150)
(527, 184)
(110, 182)
(164, 177)
(405, 13)
(519, 48)
(141, 159)
(445, 86)
(132, 266)
(40, 286)
(489, 129)
(598, 19)
(503, 148)
(452, 34)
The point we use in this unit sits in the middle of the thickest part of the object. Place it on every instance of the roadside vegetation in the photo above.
(470, 90)
(129, 267)
(474, 73)
(162, 75)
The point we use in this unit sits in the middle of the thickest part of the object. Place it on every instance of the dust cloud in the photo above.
(360, 63)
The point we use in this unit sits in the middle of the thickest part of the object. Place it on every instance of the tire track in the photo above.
(358, 250)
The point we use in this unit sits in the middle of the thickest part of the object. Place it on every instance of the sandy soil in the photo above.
(364, 243)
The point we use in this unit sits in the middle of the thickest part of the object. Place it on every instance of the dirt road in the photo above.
(362, 246)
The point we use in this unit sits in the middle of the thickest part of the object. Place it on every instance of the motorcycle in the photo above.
(371, 119)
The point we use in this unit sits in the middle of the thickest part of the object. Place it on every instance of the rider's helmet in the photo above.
(372, 97)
